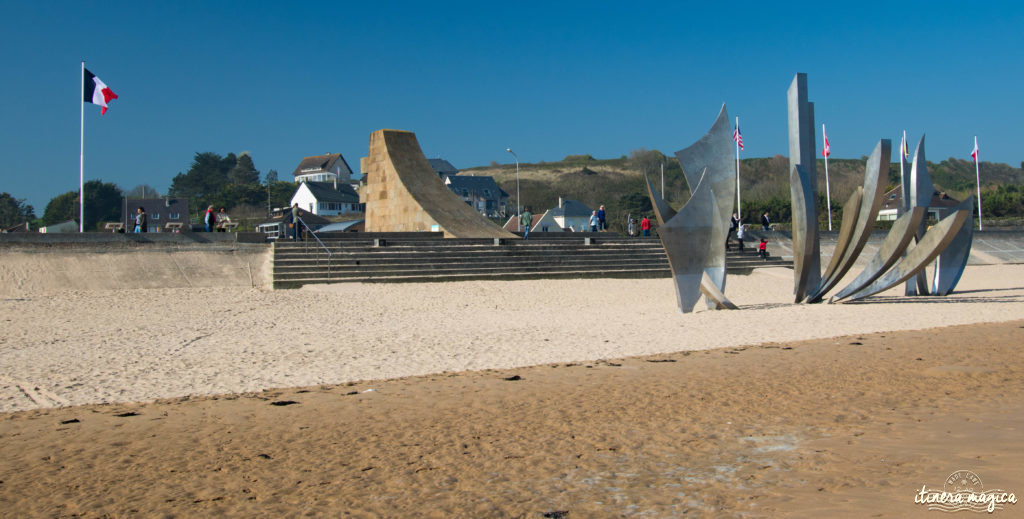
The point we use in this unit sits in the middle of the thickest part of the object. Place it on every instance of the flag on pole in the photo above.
(974, 154)
(826, 151)
(96, 91)
(737, 136)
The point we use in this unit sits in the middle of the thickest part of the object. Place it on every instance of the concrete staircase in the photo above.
(405, 259)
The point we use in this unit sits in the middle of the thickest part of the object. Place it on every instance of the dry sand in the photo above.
(757, 427)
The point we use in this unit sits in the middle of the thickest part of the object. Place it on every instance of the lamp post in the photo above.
(519, 224)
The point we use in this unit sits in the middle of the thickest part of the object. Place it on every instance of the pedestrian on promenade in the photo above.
(525, 221)
(594, 222)
(140, 220)
(631, 228)
(210, 219)
(765, 222)
(740, 233)
(645, 226)
(601, 224)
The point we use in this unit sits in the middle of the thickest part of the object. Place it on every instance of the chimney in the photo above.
(559, 202)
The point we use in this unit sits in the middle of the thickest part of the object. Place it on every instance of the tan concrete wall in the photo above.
(25, 271)
(403, 193)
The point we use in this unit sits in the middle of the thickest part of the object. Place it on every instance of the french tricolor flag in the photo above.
(96, 91)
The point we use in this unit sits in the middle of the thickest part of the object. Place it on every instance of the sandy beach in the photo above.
(393, 400)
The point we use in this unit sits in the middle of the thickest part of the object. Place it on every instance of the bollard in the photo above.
(380, 242)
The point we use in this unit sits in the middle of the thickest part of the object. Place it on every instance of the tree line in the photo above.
(229, 181)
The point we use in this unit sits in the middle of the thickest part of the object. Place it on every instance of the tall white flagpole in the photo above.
(81, 155)
(828, 192)
(977, 172)
(739, 211)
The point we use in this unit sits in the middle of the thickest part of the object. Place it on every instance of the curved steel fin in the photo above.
(921, 191)
(876, 175)
(935, 240)
(953, 260)
(894, 245)
(685, 238)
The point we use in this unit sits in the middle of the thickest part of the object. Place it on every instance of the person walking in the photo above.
(733, 222)
(765, 222)
(210, 219)
(525, 221)
(601, 224)
(740, 233)
(762, 249)
(140, 220)
(295, 222)
(631, 228)
(594, 222)
(645, 226)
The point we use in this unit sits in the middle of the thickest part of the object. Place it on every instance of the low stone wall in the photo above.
(32, 266)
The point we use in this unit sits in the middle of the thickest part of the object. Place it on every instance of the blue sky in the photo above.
(284, 80)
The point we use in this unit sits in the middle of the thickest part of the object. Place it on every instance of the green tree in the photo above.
(14, 211)
(206, 176)
(244, 171)
(142, 191)
(271, 177)
(102, 204)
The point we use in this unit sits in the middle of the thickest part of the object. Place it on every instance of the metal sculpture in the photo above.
(711, 157)
(934, 242)
(953, 260)
(894, 246)
(876, 173)
(803, 186)
(664, 213)
(686, 236)
(921, 190)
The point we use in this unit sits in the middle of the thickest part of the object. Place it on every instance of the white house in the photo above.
(327, 198)
(892, 204)
(570, 215)
(329, 167)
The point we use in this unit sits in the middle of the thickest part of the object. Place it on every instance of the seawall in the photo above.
(33, 264)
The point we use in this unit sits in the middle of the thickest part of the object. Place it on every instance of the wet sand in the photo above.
(845, 427)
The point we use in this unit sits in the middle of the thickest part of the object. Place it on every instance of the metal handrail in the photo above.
(317, 238)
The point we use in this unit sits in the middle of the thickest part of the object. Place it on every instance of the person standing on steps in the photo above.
(295, 222)
(733, 222)
(525, 221)
(645, 226)
(765, 222)
(601, 224)
(740, 233)
(762, 249)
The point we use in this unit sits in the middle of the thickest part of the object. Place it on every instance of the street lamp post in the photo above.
(519, 213)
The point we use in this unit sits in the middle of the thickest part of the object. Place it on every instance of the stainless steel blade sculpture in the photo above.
(876, 174)
(686, 237)
(711, 159)
(803, 186)
(935, 240)
(953, 260)
(894, 246)
(921, 189)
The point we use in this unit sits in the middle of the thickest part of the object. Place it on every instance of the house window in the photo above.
(173, 216)
(156, 216)
(465, 192)
(487, 193)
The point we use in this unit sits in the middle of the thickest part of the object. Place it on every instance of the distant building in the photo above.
(443, 168)
(159, 213)
(329, 167)
(481, 193)
(570, 215)
(21, 227)
(327, 198)
(893, 201)
(278, 226)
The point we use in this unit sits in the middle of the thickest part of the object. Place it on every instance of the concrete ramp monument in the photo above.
(404, 194)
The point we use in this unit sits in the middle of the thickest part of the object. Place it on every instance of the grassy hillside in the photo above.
(618, 183)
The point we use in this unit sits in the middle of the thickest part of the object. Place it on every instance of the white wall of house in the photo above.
(546, 223)
(573, 223)
(304, 197)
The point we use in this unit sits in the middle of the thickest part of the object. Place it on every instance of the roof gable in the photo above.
(322, 164)
(325, 192)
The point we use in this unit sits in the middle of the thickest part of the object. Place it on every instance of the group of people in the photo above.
(644, 227)
(738, 227)
(210, 220)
